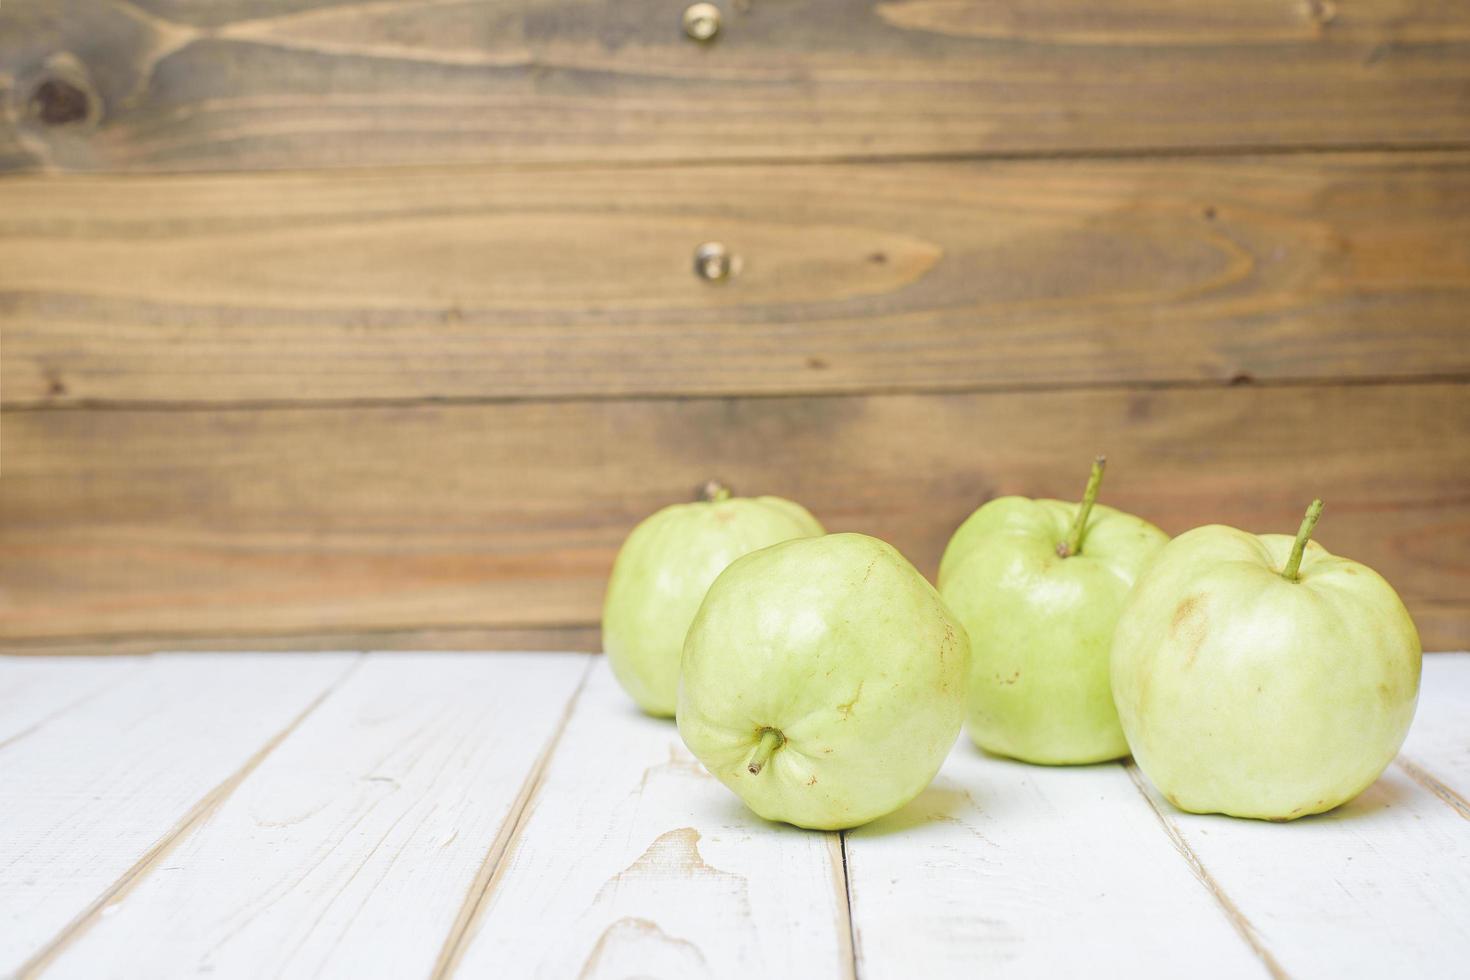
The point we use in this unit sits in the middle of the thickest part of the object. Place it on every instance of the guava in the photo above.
(1261, 676)
(1039, 585)
(823, 681)
(662, 572)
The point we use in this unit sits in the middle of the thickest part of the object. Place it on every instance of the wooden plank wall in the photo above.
(376, 324)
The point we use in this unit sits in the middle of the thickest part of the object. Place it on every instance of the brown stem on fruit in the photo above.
(713, 492)
(771, 740)
(1303, 535)
(1073, 544)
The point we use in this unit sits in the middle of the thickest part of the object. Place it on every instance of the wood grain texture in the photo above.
(1005, 869)
(1443, 626)
(1316, 893)
(592, 844)
(648, 866)
(581, 639)
(459, 284)
(1440, 623)
(168, 85)
(349, 851)
(96, 794)
(135, 523)
(37, 690)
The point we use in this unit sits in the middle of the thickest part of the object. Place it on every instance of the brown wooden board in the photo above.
(131, 85)
(586, 638)
(508, 283)
(145, 522)
(1442, 626)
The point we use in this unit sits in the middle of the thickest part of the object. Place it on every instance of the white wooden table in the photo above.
(508, 815)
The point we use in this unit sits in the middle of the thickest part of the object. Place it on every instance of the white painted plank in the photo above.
(1438, 746)
(91, 792)
(34, 690)
(1378, 887)
(634, 861)
(1008, 870)
(351, 850)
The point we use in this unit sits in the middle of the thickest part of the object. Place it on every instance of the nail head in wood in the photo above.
(713, 262)
(702, 21)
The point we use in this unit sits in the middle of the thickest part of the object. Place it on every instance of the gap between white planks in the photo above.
(1440, 737)
(461, 814)
(354, 841)
(1032, 871)
(634, 860)
(105, 777)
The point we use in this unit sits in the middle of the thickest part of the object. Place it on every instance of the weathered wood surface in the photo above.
(582, 639)
(118, 523)
(396, 828)
(644, 865)
(40, 689)
(165, 84)
(97, 791)
(361, 840)
(495, 283)
(1005, 869)
(1316, 896)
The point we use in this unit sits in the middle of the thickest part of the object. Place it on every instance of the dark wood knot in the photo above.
(57, 102)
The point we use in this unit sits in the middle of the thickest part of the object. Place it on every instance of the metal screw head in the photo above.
(702, 21)
(712, 261)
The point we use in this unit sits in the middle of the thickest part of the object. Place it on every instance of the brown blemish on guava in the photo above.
(869, 572)
(1189, 626)
(1144, 681)
(812, 781)
(1015, 676)
(845, 709)
(1184, 611)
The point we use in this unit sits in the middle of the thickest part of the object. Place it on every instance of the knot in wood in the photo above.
(57, 102)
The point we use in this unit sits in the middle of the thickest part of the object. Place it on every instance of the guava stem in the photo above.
(1073, 544)
(1303, 535)
(771, 740)
(714, 491)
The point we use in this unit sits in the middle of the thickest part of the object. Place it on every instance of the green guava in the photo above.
(1261, 676)
(662, 573)
(823, 681)
(1039, 585)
